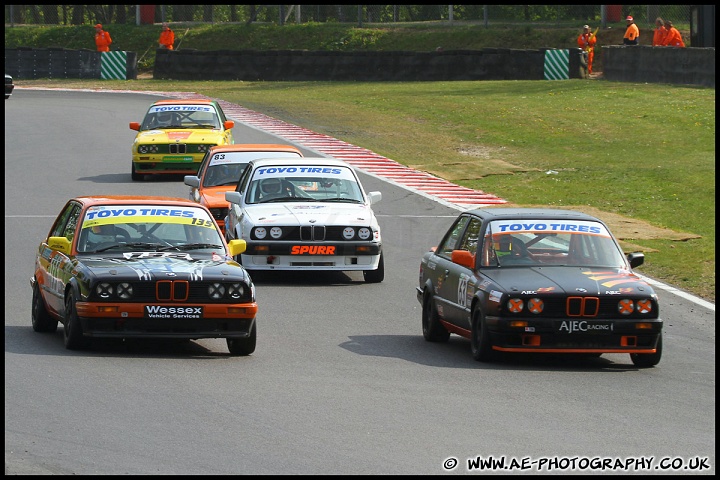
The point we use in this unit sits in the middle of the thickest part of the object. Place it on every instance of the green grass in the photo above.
(641, 156)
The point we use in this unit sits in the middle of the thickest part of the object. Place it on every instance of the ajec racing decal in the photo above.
(572, 326)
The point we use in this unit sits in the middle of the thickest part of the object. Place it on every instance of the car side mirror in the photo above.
(61, 244)
(233, 197)
(229, 124)
(636, 259)
(374, 197)
(135, 126)
(464, 258)
(192, 181)
(237, 247)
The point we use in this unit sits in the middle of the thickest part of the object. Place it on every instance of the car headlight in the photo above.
(364, 233)
(515, 305)
(626, 306)
(535, 305)
(216, 291)
(148, 149)
(260, 233)
(104, 290)
(276, 232)
(125, 291)
(643, 306)
(236, 290)
(348, 233)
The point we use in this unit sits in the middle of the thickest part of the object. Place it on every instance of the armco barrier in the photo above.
(682, 66)
(34, 63)
(642, 63)
(300, 65)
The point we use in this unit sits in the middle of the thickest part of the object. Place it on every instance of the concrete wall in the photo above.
(298, 65)
(643, 63)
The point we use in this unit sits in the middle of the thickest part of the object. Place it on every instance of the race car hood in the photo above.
(214, 197)
(569, 280)
(150, 265)
(304, 213)
(179, 135)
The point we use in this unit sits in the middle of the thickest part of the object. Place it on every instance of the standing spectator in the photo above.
(672, 36)
(659, 33)
(102, 39)
(167, 37)
(587, 41)
(632, 34)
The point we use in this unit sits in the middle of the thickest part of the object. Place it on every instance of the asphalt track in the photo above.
(423, 183)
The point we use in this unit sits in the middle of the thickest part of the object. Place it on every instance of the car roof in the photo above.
(191, 101)
(254, 147)
(509, 213)
(90, 200)
(331, 162)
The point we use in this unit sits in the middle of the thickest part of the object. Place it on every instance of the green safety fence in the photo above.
(113, 65)
(557, 64)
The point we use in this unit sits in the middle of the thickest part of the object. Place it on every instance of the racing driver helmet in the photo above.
(271, 186)
(100, 234)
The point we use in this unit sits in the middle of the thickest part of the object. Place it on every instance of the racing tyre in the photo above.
(41, 319)
(243, 346)
(377, 275)
(432, 329)
(645, 360)
(480, 338)
(73, 334)
(136, 177)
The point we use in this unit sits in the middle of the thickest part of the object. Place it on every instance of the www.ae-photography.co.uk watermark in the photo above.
(582, 464)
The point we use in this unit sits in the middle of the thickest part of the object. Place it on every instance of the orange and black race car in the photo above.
(141, 267)
(220, 171)
(175, 135)
(538, 281)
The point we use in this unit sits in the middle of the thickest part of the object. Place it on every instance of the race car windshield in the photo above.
(550, 242)
(181, 118)
(304, 184)
(148, 228)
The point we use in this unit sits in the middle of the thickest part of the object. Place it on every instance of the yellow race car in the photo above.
(175, 135)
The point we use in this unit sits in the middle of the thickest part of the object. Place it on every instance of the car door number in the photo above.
(462, 290)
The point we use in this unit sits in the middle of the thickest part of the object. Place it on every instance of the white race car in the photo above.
(305, 214)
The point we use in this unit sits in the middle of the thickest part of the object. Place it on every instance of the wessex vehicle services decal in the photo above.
(552, 226)
(102, 215)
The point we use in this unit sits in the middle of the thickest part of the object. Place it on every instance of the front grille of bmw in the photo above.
(179, 291)
(315, 233)
(589, 307)
(178, 148)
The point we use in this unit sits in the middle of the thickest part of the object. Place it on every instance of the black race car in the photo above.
(538, 280)
(9, 86)
(141, 267)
